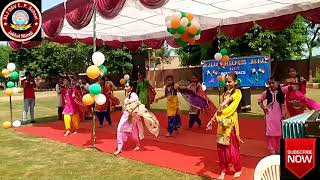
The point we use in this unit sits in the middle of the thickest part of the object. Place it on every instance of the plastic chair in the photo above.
(268, 168)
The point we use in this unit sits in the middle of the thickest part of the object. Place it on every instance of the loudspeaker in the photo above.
(139, 63)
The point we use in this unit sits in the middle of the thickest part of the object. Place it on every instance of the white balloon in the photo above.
(15, 90)
(197, 37)
(16, 123)
(168, 24)
(126, 77)
(203, 86)
(11, 67)
(218, 56)
(168, 18)
(184, 21)
(195, 23)
(98, 58)
(176, 36)
(177, 14)
(100, 99)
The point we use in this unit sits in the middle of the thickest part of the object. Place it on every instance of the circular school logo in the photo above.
(20, 20)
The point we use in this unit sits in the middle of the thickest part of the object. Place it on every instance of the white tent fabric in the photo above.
(136, 22)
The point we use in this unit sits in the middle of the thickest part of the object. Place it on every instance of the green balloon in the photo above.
(104, 69)
(95, 89)
(181, 30)
(171, 30)
(180, 42)
(224, 51)
(183, 14)
(191, 35)
(198, 32)
(10, 84)
(189, 24)
(14, 76)
(222, 83)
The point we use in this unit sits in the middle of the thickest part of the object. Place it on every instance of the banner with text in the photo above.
(252, 71)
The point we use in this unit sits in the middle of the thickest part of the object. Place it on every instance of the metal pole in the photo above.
(10, 109)
(94, 50)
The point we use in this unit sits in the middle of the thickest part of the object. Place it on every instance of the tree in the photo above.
(285, 45)
(4, 55)
(49, 59)
(313, 37)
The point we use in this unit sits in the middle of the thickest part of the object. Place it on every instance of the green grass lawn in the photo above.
(27, 157)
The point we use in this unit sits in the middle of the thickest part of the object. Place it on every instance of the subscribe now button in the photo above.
(300, 156)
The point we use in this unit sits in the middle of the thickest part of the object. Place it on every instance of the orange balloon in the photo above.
(122, 81)
(185, 37)
(189, 16)
(88, 99)
(219, 78)
(175, 22)
(224, 59)
(6, 124)
(93, 72)
(192, 29)
(192, 41)
(5, 73)
(9, 91)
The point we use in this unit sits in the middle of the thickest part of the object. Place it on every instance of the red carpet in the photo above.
(191, 151)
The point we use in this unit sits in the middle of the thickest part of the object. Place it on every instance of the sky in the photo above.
(46, 4)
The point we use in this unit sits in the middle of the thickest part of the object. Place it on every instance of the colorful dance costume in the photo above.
(71, 109)
(296, 101)
(228, 135)
(130, 124)
(275, 112)
(142, 90)
(174, 120)
(103, 111)
(194, 112)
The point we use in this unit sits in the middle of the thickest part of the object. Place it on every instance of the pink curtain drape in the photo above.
(277, 23)
(52, 21)
(80, 17)
(89, 41)
(62, 39)
(153, 4)
(312, 15)
(114, 44)
(207, 36)
(109, 8)
(133, 45)
(154, 43)
(18, 45)
(237, 30)
(170, 41)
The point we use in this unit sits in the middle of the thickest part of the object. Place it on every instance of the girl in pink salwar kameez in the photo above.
(228, 134)
(274, 113)
(130, 125)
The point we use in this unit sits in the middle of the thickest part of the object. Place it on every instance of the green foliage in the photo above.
(49, 59)
(317, 78)
(284, 45)
(313, 37)
(4, 54)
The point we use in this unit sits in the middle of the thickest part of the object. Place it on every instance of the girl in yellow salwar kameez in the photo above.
(174, 120)
(228, 136)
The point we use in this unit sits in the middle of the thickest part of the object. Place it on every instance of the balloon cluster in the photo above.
(7, 124)
(13, 75)
(184, 28)
(222, 57)
(96, 70)
(93, 72)
(125, 79)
